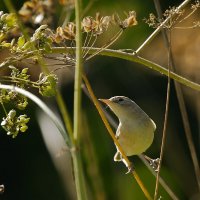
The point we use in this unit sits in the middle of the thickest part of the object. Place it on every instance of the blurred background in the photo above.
(36, 164)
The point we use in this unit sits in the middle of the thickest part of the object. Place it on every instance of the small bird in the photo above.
(136, 129)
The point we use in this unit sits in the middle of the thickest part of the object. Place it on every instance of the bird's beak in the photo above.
(106, 101)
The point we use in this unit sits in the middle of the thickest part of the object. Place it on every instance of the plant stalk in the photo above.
(78, 168)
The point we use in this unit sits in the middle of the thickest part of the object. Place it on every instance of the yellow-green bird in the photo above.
(136, 129)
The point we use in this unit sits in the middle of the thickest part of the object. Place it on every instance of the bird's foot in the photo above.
(154, 163)
(131, 168)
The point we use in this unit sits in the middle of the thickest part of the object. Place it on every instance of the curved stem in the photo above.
(140, 60)
(123, 55)
(65, 115)
(44, 107)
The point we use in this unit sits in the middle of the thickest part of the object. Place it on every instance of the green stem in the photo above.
(125, 56)
(78, 72)
(78, 175)
(140, 60)
(65, 115)
(78, 169)
(4, 109)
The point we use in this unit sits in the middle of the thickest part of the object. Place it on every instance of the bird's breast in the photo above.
(135, 136)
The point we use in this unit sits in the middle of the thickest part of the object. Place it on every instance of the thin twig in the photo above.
(150, 38)
(65, 115)
(87, 50)
(88, 7)
(161, 180)
(165, 123)
(187, 16)
(186, 27)
(112, 40)
(4, 109)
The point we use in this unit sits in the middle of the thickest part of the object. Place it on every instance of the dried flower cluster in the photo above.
(96, 26)
(66, 33)
(37, 11)
(175, 16)
(128, 22)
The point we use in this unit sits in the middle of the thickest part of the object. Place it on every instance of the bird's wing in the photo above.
(118, 130)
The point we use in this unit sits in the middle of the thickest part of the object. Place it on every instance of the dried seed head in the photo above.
(130, 20)
(88, 24)
(126, 23)
(66, 33)
(97, 25)
(58, 37)
(101, 23)
(37, 11)
(70, 31)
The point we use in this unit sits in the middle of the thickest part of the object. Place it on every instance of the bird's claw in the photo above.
(154, 163)
(131, 168)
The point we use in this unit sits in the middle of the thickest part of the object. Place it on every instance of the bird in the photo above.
(135, 132)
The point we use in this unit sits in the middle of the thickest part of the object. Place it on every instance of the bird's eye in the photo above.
(120, 100)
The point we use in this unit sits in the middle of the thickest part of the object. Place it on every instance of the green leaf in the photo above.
(21, 42)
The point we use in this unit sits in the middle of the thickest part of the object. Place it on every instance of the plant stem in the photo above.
(161, 180)
(78, 169)
(78, 175)
(165, 120)
(122, 55)
(136, 59)
(65, 115)
(78, 73)
(4, 109)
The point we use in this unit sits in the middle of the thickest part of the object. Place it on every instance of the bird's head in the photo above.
(122, 106)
